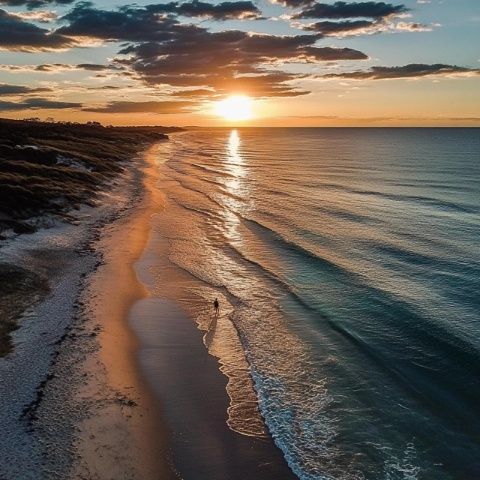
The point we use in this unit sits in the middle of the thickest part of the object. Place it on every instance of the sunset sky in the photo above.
(301, 62)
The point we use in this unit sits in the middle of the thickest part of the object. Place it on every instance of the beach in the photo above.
(171, 418)
(157, 359)
(127, 389)
(343, 343)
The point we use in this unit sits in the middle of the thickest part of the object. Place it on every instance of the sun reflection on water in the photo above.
(235, 186)
(235, 160)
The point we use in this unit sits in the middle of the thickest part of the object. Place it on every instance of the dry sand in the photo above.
(124, 436)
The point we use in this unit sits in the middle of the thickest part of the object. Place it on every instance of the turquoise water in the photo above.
(349, 260)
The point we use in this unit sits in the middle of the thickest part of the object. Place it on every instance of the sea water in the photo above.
(347, 265)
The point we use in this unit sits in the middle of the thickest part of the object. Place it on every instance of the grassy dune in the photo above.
(52, 168)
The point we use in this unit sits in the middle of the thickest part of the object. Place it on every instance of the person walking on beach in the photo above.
(216, 305)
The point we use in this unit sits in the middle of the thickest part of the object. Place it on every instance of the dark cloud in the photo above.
(201, 58)
(128, 24)
(17, 35)
(95, 67)
(241, 10)
(163, 107)
(334, 28)
(225, 55)
(225, 63)
(31, 4)
(293, 3)
(107, 87)
(407, 71)
(325, 54)
(365, 27)
(221, 11)
(62, 67)
(37, 104)
(340, 10)
(137, 24)
(6, 89)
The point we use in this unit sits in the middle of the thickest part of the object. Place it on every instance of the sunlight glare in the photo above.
(234, 108)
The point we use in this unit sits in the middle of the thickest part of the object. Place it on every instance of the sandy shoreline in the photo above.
(54, 360)
(154, 355)
(129, 390)
(126, 439)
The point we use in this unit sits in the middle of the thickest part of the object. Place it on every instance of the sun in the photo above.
(234, 108)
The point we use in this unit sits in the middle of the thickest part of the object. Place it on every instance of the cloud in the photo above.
(273, 84)
(106, 87)
(162, 107)
(163, 51)
(241, 10)
(18, 35)
(415, 27)
(224, 56)
(197, 92)
(31, 4)
(41, 16)
(94, 67)
(128, 24)
(131, 23)
(225, 61)
(363, 18)
(58, 67)
(408, 71)
(6, 89)
(37, 104)
(52, 67)
(364, 27)
(336, 28)
(325, 54)
(293, 3)
(339, 10)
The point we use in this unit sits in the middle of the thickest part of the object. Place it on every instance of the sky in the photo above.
(295, 62)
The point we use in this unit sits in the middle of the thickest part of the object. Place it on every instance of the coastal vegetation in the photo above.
(47, 170)
(21, 288)
(50, 168)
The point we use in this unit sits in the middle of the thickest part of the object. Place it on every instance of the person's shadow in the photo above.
(211, 329)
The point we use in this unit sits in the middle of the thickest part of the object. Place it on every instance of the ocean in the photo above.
(346, 263)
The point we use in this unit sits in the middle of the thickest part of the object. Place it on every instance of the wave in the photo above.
(424, 200)
(277, 279)
(291, 245)
(385, 347)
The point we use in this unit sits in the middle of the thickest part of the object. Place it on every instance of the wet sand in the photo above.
(192, 392)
